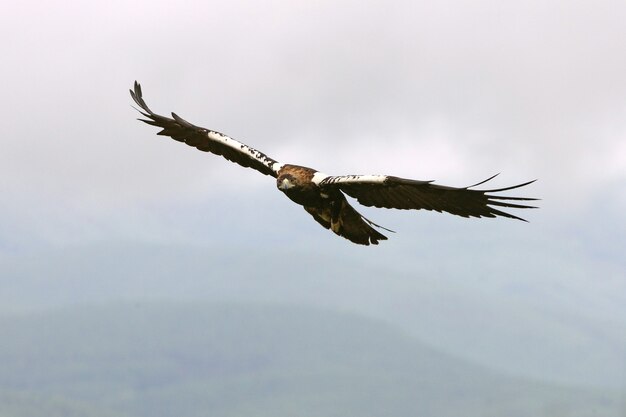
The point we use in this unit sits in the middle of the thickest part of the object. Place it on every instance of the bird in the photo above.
(324, 196)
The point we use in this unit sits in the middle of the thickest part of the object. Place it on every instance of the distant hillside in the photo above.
(484, 317)
(250, 360)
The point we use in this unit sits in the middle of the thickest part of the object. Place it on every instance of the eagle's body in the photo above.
(322, 196)
(327, 205)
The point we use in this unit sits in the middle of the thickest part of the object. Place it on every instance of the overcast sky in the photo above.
(453, 91)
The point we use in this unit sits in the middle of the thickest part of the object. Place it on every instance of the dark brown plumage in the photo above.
(204, 139)
(404, 194)
(322, 196)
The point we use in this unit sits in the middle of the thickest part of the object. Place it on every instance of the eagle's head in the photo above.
(285, 182)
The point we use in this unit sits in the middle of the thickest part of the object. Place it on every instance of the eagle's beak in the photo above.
(285, 184)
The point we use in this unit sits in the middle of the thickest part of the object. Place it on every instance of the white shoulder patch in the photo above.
(353, 179)
(318, 177)
(244, 149)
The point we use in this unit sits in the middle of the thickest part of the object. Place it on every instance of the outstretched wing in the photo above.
(205, 139)
(405, 194)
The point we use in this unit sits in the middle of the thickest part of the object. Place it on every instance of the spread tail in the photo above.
(340, 217)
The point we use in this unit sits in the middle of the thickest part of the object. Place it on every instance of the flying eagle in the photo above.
(322, 196)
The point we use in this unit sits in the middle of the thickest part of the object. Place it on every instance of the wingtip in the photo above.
(137, 90)
(508, 188)
(137, 96)
(484, 181)
(501, 189)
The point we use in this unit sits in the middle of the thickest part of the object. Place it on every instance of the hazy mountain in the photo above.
(556, 329)
(251, 360)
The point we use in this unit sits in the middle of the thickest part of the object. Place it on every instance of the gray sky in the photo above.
(453, 91)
